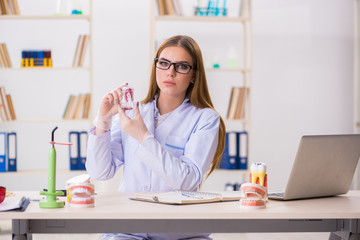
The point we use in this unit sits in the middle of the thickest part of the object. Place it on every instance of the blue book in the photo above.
(3, 150)
(12, 151)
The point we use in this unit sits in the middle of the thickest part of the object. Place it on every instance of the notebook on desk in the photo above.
(324, 166)
(187, 197)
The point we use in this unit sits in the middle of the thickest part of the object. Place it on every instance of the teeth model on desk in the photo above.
(81, 195)
(80, 191)
(254, 194)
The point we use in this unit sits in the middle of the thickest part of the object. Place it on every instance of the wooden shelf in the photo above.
(38, 172)
(201, 19)
(44, 121)
(45, 17)
(228, 70)
(46, 69)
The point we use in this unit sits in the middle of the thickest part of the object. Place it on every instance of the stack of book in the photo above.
(36, 58)
(78, 107)
(169, 7)
(7, 112)
(5, 61)
(237, 104)
(80, 50)
(8, 7)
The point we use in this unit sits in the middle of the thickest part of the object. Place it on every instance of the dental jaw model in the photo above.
(254, 194)
(80, 192)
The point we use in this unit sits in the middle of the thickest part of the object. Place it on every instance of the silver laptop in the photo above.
(324, 166)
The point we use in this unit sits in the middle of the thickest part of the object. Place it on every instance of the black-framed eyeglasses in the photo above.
(179, 67)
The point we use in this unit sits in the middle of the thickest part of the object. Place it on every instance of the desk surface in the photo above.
(119, 206)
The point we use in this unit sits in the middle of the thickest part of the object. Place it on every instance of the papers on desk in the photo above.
(187, 197)
(14, 202)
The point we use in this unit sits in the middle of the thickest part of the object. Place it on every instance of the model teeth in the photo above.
(258, 171)
(81, 199)
(81, 190)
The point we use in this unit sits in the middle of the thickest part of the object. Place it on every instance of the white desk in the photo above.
(116, 213)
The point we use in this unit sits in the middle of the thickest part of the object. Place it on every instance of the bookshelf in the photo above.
(40, 94)
(233, 30)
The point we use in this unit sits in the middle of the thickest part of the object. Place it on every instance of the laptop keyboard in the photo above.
(276, 194)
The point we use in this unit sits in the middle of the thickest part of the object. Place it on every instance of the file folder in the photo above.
(73, 150)
(12, 151)
(3, 149)
(77, 150)
(235, 155)
(82, 149)
(229, 159)
(243, 149)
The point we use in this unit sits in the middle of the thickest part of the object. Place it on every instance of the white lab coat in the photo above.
(177, 157)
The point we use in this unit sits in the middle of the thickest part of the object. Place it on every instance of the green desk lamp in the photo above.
(51, 194)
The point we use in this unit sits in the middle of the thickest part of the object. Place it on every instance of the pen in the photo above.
(191, 195)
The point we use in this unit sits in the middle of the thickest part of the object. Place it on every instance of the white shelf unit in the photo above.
(241, 76)
(41, 83)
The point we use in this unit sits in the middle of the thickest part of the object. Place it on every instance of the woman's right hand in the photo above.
(108, 103)
(108, 108)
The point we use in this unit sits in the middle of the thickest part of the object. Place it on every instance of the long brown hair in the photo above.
(197, 92)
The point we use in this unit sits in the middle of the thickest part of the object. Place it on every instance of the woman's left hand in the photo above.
(134, 127)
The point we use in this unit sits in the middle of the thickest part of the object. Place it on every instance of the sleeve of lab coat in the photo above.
(187, 171)
(104, 153)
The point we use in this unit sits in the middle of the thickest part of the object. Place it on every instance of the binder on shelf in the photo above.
(243, 153)
(229, 157)
(12, 151)
(77, 150)
(235, 155)
(83, 136)
(3, 148)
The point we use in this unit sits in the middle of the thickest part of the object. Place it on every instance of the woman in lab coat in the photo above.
(172, 140)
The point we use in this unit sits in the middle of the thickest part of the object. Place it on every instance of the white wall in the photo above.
(302, 69)
(303, 77)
